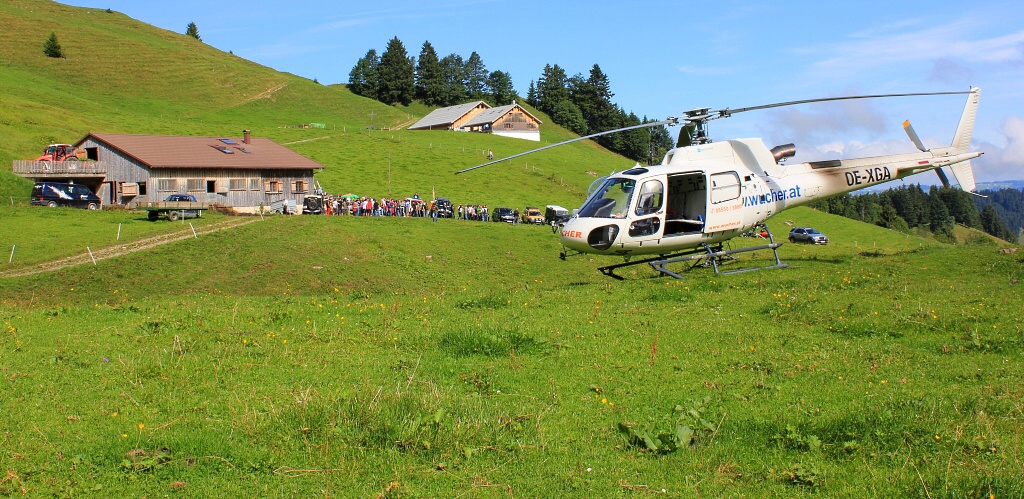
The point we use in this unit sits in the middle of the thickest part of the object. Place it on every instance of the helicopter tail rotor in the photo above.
(907, 127)
(913, 136)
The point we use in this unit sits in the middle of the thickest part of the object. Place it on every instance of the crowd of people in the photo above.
(383, 207)
(409, 207)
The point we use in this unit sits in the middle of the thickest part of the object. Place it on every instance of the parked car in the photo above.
(313, 204)
(503, 215)
(554, 215)
(807, 235)
(532, 215)
(55, 194)
(181, 198)
(444, 208)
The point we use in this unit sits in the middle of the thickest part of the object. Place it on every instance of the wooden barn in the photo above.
(241, 173)
(508, 121)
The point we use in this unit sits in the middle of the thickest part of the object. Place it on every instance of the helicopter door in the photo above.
(725, 208)
(647, 217)
(686, 205)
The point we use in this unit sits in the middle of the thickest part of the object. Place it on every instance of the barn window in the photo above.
(195, 184)
(236, 184)
(273, 186)
(167, 184)
(223, 149)
(300, 186)
(254, 184)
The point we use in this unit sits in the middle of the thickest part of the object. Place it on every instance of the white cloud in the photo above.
(1006, 162)
(896, 45)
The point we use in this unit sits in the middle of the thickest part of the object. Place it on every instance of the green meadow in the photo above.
(385, 357)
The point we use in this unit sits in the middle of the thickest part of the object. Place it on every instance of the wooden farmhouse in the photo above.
(240, 173)
(508, 121)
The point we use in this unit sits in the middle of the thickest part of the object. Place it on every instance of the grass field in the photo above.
(350, 357)
(354, 357)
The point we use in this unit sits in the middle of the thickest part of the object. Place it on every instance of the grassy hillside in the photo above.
(343, 356)
(123, 76)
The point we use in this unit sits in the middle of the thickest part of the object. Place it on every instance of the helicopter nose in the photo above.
(583, 236)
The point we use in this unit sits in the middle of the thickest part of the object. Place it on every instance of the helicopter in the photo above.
(705, 193)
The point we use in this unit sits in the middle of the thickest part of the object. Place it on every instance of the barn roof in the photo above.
(173, 151)
(446, 115)
(488, 116)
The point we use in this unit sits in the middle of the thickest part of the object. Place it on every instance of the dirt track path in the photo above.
(127, 248)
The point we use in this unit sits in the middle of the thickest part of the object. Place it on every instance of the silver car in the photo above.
(807, 235)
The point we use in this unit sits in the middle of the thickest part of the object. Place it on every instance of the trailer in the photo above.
(173, 210)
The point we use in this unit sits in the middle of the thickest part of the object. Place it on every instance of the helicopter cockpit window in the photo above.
(650, 198)
(724, 187)
(611, 200)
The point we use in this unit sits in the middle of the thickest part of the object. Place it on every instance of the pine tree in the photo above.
(476, 77)
(569, 116)
(660, 142)
(52, 47)
(364, 78)
(889, 219)
(397, 75)
(429, 79)
(531, 95)
(193, 31)
(551, 88)
(594, 97)
(502, 91)
(992, 224)
(453, 89)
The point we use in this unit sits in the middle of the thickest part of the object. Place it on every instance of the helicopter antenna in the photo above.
(695, 122)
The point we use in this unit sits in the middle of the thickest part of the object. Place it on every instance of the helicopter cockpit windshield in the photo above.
(611, 200)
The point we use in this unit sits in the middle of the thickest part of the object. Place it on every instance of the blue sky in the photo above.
(665, 57)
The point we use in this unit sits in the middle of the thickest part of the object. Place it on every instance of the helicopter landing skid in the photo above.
(704, 256)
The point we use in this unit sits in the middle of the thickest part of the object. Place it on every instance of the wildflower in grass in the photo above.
(113, 414)
(124, 435)
(141, 426)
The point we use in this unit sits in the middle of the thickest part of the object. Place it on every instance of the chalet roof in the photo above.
(489, 116)
(446, 115)
(172, 151)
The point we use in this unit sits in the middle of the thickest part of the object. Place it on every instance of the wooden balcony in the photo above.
(59, 169)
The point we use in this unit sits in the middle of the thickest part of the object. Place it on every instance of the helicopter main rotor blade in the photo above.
(699, 116)
(669, 121)
(725, 113)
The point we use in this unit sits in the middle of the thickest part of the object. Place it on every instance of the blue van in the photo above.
(55, 194)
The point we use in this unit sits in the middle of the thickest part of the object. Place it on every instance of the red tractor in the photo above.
(59, 152)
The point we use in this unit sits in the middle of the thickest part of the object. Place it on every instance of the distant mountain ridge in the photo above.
(1001, 184)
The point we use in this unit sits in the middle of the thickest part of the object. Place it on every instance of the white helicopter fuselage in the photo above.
(709, 193)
